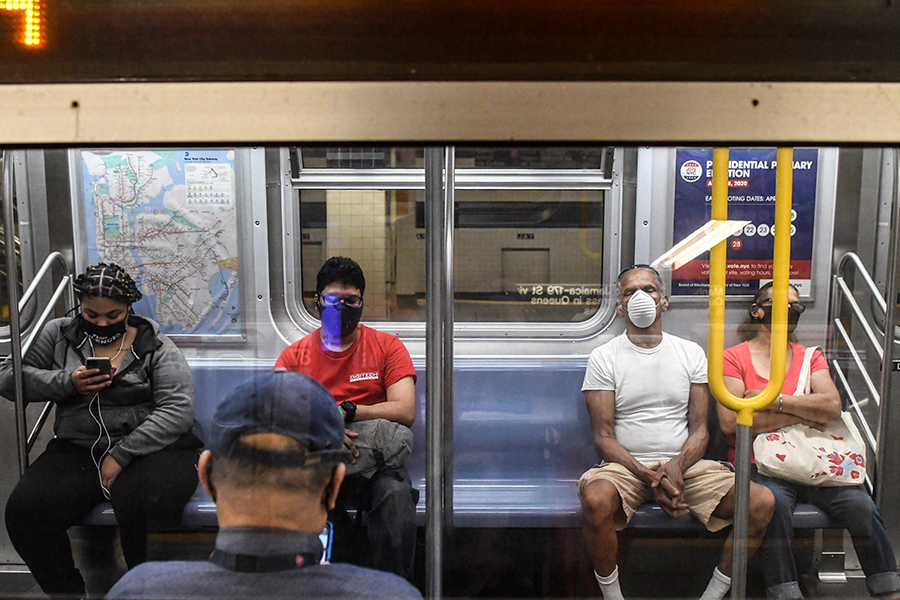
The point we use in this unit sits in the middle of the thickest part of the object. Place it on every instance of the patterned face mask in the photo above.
(104, 334)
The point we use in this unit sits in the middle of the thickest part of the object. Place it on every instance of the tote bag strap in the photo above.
(803, 383)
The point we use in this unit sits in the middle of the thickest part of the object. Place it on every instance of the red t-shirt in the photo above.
(361, 373)
(737, 363)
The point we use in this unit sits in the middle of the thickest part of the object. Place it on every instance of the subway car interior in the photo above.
(538, 237)
(496, 170)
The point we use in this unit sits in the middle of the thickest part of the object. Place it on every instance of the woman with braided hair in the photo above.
(125, 437)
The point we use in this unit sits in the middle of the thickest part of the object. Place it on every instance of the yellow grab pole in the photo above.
(746, 406)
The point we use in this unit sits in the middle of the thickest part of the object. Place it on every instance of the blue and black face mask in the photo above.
(338, 319)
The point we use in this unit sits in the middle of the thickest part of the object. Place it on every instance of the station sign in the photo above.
(560, 294)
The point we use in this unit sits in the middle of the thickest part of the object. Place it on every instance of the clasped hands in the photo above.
(667, 487)
(349, 445)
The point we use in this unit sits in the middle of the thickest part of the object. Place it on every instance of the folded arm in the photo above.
(400, 406)
(768, 419)
(822, 405)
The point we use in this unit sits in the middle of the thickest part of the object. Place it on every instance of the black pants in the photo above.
(63, 485)
(390, 501)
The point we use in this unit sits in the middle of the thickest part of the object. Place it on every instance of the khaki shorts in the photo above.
(705, 484)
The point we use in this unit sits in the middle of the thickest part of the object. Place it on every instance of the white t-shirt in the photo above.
(652, 387)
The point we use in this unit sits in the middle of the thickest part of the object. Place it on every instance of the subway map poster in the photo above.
(168, 217)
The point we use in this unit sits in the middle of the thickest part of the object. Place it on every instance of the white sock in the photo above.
(718, 586)
(609, 585)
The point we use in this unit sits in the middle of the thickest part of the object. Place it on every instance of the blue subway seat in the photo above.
(522, 439)
(508, 504)
(200, 511)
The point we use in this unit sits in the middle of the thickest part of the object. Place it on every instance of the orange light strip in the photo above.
(32, 10)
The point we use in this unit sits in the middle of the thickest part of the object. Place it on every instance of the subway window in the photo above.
(373, 227)
(529, 229)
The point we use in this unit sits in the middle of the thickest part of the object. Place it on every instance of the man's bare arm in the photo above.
(698, 432)
(601, 405)
(400, 406)
(694, 446)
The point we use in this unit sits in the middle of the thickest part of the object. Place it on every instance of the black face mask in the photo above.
(793, 317)
(104, 334)
(349, 318)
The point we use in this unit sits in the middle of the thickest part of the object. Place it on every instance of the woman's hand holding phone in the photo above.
(89, 381)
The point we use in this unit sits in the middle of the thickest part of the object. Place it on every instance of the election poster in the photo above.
(751, 197)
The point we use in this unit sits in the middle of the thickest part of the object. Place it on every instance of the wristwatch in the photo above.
(348, 409)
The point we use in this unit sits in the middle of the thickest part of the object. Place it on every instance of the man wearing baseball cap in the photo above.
(274, 467)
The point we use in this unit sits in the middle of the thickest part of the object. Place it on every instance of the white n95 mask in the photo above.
(642, 309)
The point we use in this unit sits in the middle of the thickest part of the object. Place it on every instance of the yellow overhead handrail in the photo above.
(744, 407)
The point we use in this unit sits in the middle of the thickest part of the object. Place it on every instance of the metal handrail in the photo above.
(855, 404)
(32, 288)
(37, 280)
(842, 294)
(448, 318)
(883, 348)
(862, 425)
(876, 293)
(63, 287)
(859, 364)
(847, 293)
(466, 179)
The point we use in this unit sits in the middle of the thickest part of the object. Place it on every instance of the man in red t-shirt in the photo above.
(371, 376)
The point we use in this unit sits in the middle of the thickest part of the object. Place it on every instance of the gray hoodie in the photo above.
(149, 405)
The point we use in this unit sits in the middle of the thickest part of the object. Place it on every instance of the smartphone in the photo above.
(325, 537)
(99, 362)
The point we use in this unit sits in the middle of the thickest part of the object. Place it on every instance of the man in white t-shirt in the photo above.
(647, 395)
